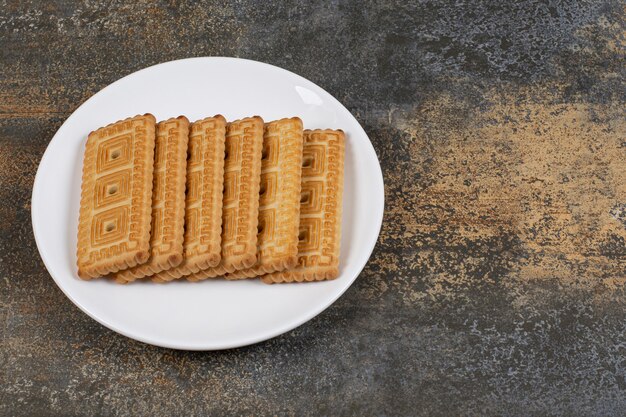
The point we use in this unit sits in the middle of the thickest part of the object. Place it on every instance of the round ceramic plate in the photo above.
(213, 314)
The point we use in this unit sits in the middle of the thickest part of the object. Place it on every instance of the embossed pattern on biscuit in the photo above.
(279, 203)
(320, 209)
(168, 201)
(116, 196)
(242, 173)
(203, 211)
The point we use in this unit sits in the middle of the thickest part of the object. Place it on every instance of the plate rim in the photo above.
(279, 330)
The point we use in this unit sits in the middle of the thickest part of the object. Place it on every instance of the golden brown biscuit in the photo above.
(116, 197)
(279, 203)
(203, 212)
(168, 201)
(242, 174)
(320, 209)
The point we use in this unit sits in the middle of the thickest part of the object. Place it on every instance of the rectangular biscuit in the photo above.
(242, 174)
(203, 211)
(279, 202)
(320, 209)
(168, 201)
(116, 197)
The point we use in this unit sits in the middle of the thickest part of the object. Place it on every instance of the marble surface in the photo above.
(498, 283)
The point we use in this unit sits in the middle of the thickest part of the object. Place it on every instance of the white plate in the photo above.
(212, 314)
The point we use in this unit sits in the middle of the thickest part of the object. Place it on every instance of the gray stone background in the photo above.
(497, 285)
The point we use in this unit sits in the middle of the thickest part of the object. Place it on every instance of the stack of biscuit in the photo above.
(237, 200)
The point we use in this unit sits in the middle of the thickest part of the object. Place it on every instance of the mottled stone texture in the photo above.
(497, 286)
